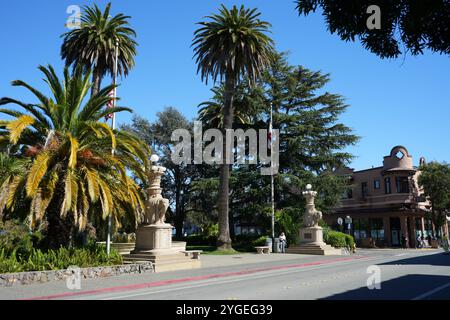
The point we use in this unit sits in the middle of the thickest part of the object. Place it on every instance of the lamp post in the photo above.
(113, 127)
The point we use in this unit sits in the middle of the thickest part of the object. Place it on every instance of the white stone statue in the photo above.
(155, 205)
(312, 216)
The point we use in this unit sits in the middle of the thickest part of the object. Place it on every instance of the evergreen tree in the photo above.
(435, 181)
(312, 146)
(178, 180)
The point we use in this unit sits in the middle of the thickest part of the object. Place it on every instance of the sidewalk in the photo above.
(212, 265)
(213, 261)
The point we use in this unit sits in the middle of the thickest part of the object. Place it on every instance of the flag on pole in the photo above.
(110, 104)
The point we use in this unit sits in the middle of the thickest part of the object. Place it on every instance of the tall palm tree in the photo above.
(93, 44)
(212, 112)
(231, 45)
(73, 173)
(10, 168)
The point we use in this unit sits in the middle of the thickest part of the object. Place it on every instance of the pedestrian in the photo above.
(429, 240)
(403, 239)
(419, 242)
(283, 242)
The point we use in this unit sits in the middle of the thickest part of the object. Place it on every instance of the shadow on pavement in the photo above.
(402, 288)
(440, 259)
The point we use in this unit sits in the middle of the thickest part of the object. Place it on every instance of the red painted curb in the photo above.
(189, 279)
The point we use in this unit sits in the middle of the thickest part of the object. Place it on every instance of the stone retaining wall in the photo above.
(32, 277)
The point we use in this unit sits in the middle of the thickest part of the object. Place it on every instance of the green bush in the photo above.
(212, 230)
(338, 239)
(261, 241)
(90, 256)
(15, 237)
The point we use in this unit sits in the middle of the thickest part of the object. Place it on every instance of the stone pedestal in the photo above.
(153, 238)
(311, 242)
(154, 243)
(311, 237)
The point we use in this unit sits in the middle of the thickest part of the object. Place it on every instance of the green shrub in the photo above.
(90, 256)
(350, 241)
(15, 237)
(261, 241)
(339, 240)
(212, 230)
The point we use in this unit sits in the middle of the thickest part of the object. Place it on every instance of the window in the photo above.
(368, 228)
(377, 184)
(364, 189)
(402, 185)
(399, 155)
(348, 194)
(387, 185)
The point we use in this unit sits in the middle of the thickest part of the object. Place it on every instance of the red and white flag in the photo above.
(110, 104)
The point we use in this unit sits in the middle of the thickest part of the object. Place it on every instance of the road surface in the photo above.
(403, 275)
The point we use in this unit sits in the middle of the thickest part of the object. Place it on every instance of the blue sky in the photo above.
(402, 101)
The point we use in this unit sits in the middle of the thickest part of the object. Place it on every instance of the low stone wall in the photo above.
(32, 277)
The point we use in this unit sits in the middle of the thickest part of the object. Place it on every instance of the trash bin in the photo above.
(269, 243)
(277, 245)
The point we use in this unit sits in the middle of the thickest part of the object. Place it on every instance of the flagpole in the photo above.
(113, 126)
(271, 179)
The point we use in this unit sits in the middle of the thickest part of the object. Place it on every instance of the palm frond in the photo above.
(16, 127)
(37, 172)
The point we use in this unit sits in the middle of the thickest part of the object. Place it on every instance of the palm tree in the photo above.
(212, 112)
(10, 168)
(93, 44)
(73, 173)
(229, 46)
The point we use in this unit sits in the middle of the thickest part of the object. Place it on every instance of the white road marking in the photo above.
(401, 254)
(430, 293)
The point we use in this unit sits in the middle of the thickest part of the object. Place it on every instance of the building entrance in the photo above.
(395, 232)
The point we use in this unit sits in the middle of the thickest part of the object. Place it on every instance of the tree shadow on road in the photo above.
(402, 288)
(440, 259)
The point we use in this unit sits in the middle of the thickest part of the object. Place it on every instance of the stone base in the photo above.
(167, 261)
(153, 238)
(154, 244)
(314, 249)
(311, 242)
(311, 235)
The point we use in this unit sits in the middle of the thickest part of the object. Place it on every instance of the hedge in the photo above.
(339, 240)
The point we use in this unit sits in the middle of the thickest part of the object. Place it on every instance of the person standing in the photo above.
(419, 242)
(283, 242)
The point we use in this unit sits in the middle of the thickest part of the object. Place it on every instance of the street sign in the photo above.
(340, 221)
(348, 220)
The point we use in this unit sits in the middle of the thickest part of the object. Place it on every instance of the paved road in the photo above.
(404, 274)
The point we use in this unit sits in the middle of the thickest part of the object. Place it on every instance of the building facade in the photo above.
(385, 204)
